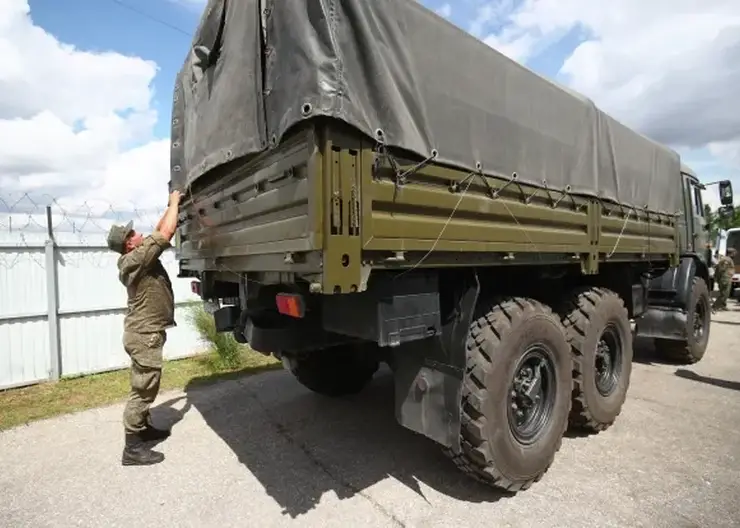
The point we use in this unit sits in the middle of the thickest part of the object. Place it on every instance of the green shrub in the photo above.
(227, 351)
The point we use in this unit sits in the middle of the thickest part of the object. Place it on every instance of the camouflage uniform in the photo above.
(150, 312)
(723, 272)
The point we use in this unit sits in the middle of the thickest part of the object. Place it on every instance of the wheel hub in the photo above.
(531, 395)
(699, 321)
(608, 361)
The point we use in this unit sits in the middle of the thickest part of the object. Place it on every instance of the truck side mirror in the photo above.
(725, 192)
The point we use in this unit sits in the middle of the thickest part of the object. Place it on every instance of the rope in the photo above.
(624, 225)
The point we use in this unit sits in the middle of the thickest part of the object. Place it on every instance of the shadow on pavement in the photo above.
(691, 375)
(165, 416)
(300, 445)
(728, 323)
(644, 353)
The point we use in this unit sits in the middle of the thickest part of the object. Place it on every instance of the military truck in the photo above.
(365, 183)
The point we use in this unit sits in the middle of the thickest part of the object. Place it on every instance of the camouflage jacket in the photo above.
(151, 303)
(725, 268)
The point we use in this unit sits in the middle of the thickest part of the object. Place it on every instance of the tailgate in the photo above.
(259, 216)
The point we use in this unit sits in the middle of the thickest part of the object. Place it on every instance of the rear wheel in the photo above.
(515, 395)
(698, 320)
(598, 329)
(337, 371)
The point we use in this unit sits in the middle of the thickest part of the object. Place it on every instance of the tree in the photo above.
(716, 220)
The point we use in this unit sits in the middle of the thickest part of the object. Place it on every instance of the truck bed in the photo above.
(327, 206)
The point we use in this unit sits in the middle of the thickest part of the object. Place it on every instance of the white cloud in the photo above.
(75, 123)
(668, 68)
(444, 10)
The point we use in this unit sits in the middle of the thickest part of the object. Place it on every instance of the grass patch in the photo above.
(225, 350)
(224, 359)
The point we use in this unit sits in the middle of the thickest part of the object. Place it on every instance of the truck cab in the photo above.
(693, 226)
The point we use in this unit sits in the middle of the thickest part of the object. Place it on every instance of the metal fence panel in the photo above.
(62, 308)
(24, 343)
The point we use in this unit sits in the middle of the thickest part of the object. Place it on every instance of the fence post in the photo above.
(52, 298)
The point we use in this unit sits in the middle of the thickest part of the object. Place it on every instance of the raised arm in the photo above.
(167, 225)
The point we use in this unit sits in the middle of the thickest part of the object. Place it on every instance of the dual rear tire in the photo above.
(598, 329)
(531, 373)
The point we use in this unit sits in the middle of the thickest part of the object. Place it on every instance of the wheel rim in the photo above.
(700, 321)
(608, 360)
(532, 394)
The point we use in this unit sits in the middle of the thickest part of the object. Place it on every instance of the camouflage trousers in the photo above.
(145, 351)
(723, 285)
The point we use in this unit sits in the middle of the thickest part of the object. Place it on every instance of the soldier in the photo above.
(150, 312)
(723, 272)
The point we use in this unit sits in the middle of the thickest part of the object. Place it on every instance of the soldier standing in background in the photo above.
(151, 310)
(723, 271)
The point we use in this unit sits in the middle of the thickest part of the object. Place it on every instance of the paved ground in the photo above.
(265, 452)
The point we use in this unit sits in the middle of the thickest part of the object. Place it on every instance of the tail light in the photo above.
(195, 287)
(290, 304)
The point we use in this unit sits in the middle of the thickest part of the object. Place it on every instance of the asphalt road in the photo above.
(263, 451)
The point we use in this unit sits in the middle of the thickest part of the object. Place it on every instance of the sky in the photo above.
(86, 85)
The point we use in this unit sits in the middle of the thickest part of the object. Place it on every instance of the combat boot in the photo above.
(136, 453)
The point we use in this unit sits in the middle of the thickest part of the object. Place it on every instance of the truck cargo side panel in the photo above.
(424, 214)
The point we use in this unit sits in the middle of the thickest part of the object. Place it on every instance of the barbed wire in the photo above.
(79, 227)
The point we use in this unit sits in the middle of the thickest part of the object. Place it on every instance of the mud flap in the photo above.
(429, 372)
(663, 323)
(668, 298)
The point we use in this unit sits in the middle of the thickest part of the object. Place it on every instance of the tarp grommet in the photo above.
(380, 135)
(434, 153)
(478, 166)
(306, 109)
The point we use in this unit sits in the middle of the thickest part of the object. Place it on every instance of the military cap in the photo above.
(117, 236)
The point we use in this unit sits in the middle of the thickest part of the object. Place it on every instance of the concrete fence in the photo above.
(62, 308)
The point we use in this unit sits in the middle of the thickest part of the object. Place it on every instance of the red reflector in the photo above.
(288, 304)
(195, 287)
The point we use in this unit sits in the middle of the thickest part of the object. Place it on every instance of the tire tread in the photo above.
(473, 459)
(577, 313)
